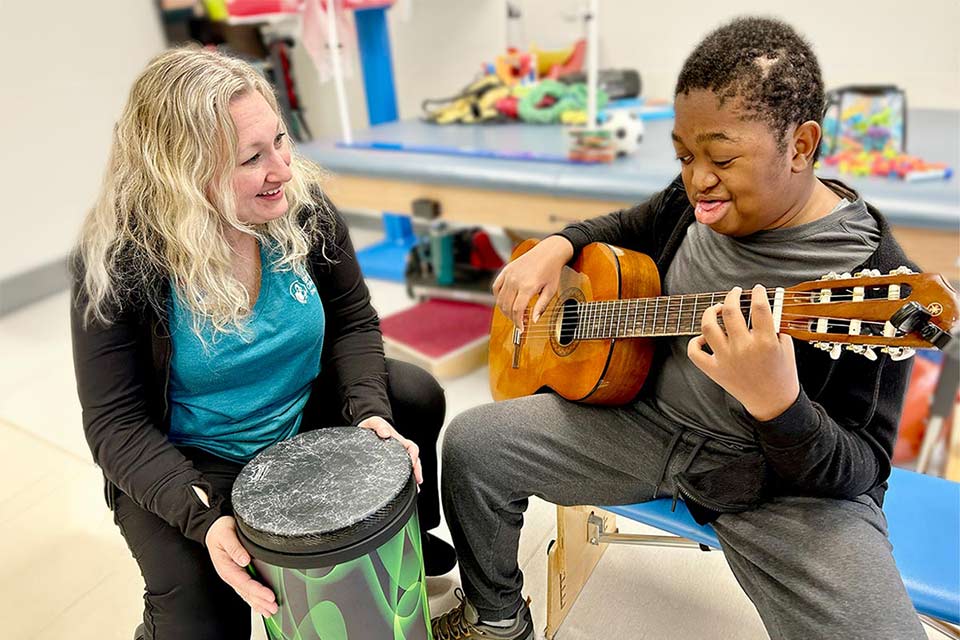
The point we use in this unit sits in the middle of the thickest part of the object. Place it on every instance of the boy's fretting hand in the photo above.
(754, 365)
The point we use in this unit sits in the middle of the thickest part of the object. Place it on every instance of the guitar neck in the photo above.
(678, 315)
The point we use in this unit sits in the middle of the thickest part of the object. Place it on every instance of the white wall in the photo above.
(67, 69)
(913, 45)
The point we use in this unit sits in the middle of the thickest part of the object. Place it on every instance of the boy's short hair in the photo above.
(766, 63)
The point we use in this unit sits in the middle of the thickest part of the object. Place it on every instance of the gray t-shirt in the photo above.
(709, 261)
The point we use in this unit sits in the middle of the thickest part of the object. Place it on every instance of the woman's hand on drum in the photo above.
(385, 430)
(230, 559)
(535, 272)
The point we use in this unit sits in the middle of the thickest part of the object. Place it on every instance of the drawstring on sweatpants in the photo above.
(666, 462)
(674, 442)
(686, 466)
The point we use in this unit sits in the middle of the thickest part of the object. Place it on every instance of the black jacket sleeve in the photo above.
(840, 447)
(353, 345)
(633, 228)
(113, 368)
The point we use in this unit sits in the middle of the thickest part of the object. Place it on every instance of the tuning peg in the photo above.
(833, 275)
(845, 275)
(867, 273)
(899, 353)
(834, 348)
(901, 271)
(865, 350)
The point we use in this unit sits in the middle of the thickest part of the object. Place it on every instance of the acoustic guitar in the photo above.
(594, 341)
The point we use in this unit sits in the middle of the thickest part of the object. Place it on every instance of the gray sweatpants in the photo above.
(813, 567)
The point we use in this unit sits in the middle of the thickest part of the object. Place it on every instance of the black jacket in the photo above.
(123, 372)
(836, 439)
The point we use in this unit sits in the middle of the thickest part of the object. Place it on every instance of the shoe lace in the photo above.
(453, 625)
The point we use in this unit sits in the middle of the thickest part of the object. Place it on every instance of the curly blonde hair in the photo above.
(167, 195)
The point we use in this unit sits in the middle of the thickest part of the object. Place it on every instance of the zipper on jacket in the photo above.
(717, 507)
(167, 358)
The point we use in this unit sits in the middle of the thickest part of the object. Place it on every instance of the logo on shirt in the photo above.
(301, 289)
(298, 291)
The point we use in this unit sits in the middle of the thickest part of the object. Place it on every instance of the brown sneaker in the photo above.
(463, 623)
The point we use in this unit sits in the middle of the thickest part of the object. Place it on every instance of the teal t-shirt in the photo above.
(239, 394)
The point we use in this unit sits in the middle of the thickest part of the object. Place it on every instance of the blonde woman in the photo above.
(212, 250)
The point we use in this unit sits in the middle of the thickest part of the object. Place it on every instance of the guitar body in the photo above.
(609, 371)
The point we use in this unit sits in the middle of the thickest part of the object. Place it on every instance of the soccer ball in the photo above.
(626, 131)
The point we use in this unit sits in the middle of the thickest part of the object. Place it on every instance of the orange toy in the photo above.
(515, 66)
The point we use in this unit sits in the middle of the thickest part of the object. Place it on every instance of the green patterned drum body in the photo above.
(329, 518)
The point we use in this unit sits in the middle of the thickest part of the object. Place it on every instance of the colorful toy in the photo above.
(553, 64)
(591, 145)
(524, 67)
(548, 101)
(477, 102)
(868, 118)
(888, 164)
(514, 68)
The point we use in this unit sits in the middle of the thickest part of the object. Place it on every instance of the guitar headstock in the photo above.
(896, 313)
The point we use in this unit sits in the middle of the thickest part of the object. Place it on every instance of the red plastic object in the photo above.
(482, 253)
(916, 410)
(246, 8)
(574, 63)
(353, 5)
(509, 106)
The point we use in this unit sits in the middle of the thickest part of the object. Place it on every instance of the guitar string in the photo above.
(601, 313)
(718, 297)
(790, 319)
(632, 305)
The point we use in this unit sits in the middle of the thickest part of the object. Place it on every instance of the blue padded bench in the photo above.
(923, 514)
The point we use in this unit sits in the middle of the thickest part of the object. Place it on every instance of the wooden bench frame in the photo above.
(583, 534)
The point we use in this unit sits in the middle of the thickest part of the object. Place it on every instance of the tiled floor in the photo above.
(65, 572)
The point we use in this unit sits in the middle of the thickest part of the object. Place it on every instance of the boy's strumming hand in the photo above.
(535, 272)
(754, 365)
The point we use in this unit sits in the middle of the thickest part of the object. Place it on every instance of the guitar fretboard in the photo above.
(646, 317)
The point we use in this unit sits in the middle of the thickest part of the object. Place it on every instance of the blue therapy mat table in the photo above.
(542, 193)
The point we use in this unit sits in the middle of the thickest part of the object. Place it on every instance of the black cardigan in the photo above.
(123, 371)
(836, 439)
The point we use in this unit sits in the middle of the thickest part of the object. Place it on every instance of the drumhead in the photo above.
(330, 491)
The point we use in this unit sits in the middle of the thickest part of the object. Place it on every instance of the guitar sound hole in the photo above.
(569, 321)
